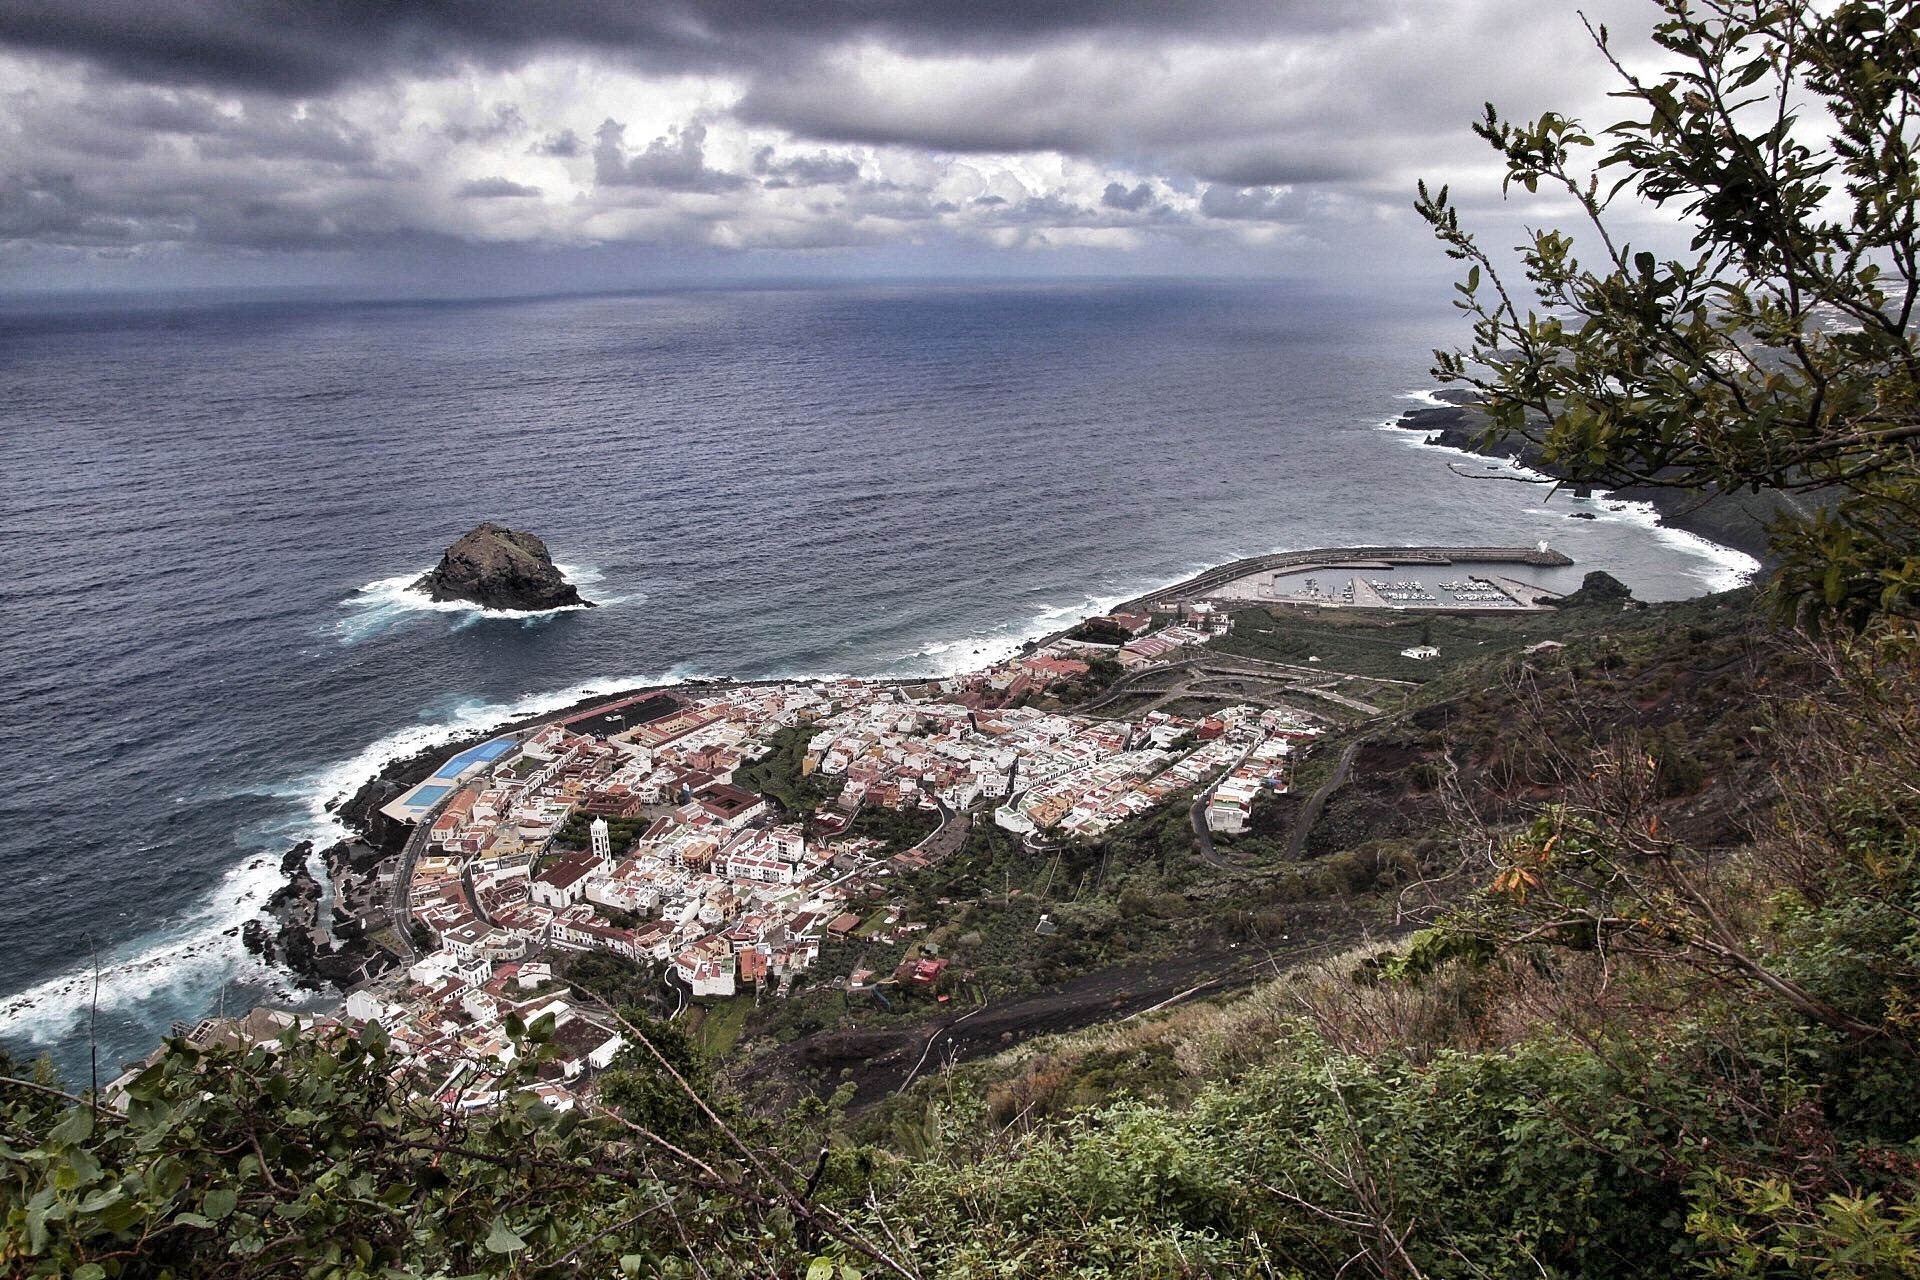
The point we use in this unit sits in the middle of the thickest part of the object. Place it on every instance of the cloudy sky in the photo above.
(504, 144)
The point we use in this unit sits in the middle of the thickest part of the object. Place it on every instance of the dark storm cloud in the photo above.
(1319, 159)
(504, 121)
(1249, 204)
(63, 209)
(303, 47)
(675, 162)
(162, 111)
(820, 100)
(94, 138)
(318, 134)
(563, 145)
(817, 170)
(1294, 94)
(495, 188)
(349, 124)
(40, 207)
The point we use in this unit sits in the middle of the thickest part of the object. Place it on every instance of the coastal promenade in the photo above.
(403, 886)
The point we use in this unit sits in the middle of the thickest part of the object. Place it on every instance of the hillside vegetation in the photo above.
(1630, 977)
(1658, 1014)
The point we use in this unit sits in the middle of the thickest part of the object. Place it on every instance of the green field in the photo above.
(720, 1025)
(1368, 642)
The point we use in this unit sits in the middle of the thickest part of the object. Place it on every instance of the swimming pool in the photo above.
(486, 751)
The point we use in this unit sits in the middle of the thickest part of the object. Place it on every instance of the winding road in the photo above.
(1202, 677)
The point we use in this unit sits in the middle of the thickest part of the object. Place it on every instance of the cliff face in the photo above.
(500, 568)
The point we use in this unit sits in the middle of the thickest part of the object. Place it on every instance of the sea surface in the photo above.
(210, 513)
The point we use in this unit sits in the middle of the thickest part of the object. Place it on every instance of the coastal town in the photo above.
(723, 839)
(624, 829)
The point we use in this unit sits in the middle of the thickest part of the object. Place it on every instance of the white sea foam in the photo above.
(1726, 568)
(987, 646)
(322, 792)
(202, 949)
(384, 602)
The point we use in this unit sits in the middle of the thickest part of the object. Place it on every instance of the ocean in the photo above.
(211, 511)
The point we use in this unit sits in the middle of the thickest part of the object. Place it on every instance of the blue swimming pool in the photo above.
(491, 750)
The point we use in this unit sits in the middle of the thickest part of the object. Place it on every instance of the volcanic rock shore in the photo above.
(1734, 519)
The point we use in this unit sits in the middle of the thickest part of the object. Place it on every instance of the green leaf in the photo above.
(104, 1198)
(83, 1167)
(820, 1269)
(502, 1239)
(219, 1202)
(36, 1230)
(77, 1126)
(121, 1214)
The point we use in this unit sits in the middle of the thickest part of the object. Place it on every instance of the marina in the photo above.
(1449, 580)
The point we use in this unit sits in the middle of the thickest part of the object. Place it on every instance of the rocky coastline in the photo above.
(346, 952)
(1736, 520)
(290, 934)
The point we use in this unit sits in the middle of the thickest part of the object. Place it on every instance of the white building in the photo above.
(565, 882)
(706, 975)
(746, 866)
(364, 1006)
(1008, 817)
(788, 843)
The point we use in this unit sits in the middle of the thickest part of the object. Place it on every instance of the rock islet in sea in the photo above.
(500, 568)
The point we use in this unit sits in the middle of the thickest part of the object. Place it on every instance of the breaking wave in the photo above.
(386, 602)
(1725, 569)
(187, 962)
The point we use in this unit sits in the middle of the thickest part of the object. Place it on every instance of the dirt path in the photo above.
(1310, 814)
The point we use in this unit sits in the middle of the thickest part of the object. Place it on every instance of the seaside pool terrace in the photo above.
(420, 801)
